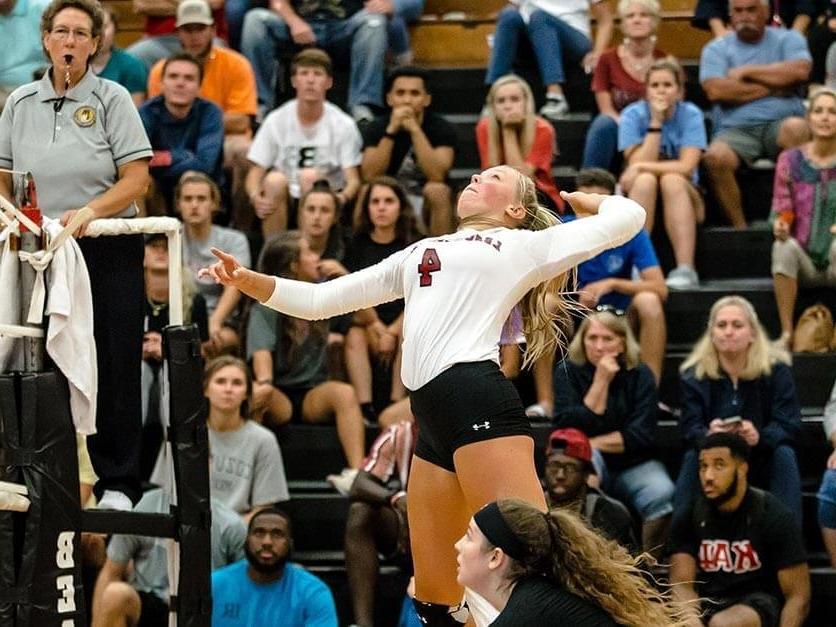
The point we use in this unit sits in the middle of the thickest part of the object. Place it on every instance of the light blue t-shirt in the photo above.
(21, 45)
(725, 53)
(685, 129)
(298, 599)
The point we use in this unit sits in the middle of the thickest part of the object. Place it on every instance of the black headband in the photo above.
(491, 523)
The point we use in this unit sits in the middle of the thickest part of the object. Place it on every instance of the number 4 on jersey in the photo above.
(429, 263)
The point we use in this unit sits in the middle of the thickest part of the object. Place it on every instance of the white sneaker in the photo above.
(115, 500)
(342, 482)
(361, 114)
(555, 108)
(13, 497)
(683, 278)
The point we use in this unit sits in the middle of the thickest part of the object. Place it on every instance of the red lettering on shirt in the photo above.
(737, 557)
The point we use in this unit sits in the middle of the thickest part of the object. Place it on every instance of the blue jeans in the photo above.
(406, 12)
(827, 500)
(777, 473)
(601, 145)
(235, 11)
(645, 486)
(363, 36)
(550, 39)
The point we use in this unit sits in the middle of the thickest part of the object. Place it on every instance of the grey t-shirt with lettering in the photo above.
(75, 147)
(247, 467)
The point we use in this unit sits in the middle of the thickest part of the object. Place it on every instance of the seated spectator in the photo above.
(117, 65)
(156, 320)
(750, 75)
(266, 588)
(132, 587)
(161, 21)
(303, 141)
(318, 219)
(559, 33)
(713, 15)
(377, 522)
(607, 280)
(289, 360)
(740, 545)
(827, 491)
(415, 146)
(197, 199)
(186, 131)
(618, 79)
(820, 39)
(511, 134)
(603, 390)
(568, 466)
(342, 27)
(21, 44)
(662, 139)
(228, 81)
(804, 214)
(735, 381)
(382, 226)
(247, 471)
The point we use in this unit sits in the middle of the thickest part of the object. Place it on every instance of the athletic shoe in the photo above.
(537, 412)
(342, 482)
(683, 278)
(13, 497)
(362, 114)
(555, 108)
(115, 500)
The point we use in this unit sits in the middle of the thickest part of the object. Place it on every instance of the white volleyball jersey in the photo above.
(459, 289)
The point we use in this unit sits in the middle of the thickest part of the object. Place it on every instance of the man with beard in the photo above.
(568, 467)
(740, 544)
(751, 75)
(265, 589)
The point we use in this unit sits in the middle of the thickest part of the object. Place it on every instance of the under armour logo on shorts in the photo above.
(484, 425)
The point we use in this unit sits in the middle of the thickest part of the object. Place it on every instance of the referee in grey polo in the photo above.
(88, 151)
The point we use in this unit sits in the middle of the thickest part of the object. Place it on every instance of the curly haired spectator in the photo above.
(511, 134)
(736, 381)
(618, 79)
(662, 139)
(803, 212)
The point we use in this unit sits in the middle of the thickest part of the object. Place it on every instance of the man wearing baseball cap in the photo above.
(228, 81)
(567, 470)
(160, 40)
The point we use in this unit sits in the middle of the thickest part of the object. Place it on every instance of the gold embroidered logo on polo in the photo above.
(85, 116)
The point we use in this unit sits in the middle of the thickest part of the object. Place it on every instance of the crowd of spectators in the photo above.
(254, 159)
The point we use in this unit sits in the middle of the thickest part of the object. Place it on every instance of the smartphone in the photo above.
(732, 420)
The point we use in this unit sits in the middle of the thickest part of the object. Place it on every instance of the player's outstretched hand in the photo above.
(582, 202)
(228, 271)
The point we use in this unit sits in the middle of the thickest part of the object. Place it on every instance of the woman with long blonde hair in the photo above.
(735, 380)
(551, 569)
(475, 443)
(512, 134)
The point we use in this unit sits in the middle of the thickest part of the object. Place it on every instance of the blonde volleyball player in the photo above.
(474, 444)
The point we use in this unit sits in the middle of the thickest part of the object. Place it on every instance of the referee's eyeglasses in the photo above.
(79, 34)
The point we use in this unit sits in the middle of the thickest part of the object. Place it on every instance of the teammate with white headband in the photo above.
(474, 444)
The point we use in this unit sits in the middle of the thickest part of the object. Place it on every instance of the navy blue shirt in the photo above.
(195, 142)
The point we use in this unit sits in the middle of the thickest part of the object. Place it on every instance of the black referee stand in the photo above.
(40, 560)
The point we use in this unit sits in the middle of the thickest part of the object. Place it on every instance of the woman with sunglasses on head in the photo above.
(474, 442)
(603, 390)
(551, 569)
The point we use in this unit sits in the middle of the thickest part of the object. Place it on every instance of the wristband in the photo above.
(264, 381)
(389, 135)
(654, 130)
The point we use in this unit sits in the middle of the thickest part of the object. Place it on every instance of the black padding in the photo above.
(190, 446)
(129, 523)
(40, 439)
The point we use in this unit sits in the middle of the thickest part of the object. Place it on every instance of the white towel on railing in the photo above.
(69, 305)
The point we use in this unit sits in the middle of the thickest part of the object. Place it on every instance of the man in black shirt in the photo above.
(568, 465)
(414, 145)
(740, 544)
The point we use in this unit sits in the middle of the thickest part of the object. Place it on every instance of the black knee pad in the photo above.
(437, 615)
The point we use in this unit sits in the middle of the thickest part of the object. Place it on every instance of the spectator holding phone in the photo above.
(736, 381)
(603, 390)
